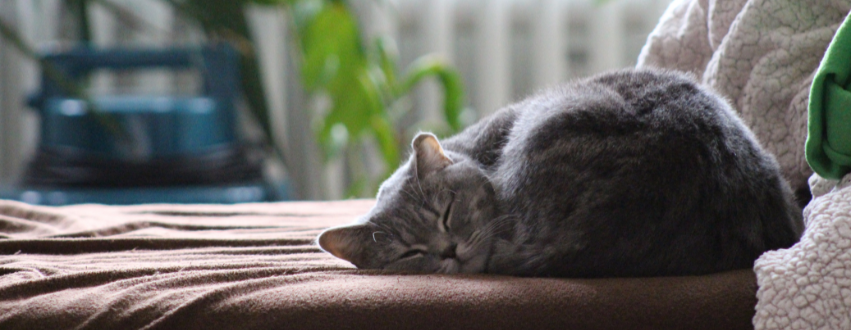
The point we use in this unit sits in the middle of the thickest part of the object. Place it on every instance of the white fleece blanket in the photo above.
(762, 55)
(808, 286)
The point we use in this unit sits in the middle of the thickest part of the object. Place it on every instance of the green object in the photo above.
(365, 90)
(828, 146)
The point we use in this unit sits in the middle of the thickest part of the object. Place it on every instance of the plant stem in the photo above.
(80, 9)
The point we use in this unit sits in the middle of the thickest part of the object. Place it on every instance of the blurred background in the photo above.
(218, 101)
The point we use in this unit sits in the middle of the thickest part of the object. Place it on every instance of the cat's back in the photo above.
(627, 120)
(627, 101)
(641, 172)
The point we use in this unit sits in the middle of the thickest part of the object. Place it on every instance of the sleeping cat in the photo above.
(630, 173)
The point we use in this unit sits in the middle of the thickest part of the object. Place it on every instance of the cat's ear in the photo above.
(429, 154)
(349, 243)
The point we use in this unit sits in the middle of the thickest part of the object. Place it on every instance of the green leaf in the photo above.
(361, 85)
(355, 100)
(330, 46)
(357, 188)
(449, 79)
(387, 59)
(334, 62)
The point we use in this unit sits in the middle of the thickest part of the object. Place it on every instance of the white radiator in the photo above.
(505, 49)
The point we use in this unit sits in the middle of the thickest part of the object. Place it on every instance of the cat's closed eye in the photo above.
(411, 254)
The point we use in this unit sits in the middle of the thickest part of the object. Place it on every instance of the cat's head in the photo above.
(435, 214)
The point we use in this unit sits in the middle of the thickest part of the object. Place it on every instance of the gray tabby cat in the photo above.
(631, 173)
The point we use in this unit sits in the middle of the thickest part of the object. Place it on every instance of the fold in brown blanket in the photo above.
(255, 266)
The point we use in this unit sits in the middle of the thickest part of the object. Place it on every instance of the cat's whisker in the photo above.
(484, 234)
(442, 269)
(412, 196)
(420, 187)
(500, 223)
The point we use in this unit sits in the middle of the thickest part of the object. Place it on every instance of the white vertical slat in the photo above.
(437, 26)
(377, 18)
(18, 77)
(492, 53)
(304, 155)
(606, 36)
(30, 72)
(161, 16)
(266, 24)
(335, 179)
(42, 22)
(104, 25)
(304, 164)
(10, 97)
(549, 31)
(156, 20)
(104, 31)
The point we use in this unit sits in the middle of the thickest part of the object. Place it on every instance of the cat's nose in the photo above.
(449, 251)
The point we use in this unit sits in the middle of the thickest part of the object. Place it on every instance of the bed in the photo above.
(255, 266)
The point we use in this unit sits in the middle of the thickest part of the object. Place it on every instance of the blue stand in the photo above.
(155, 130)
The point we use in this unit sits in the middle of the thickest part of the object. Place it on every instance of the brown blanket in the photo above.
(255, 266)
